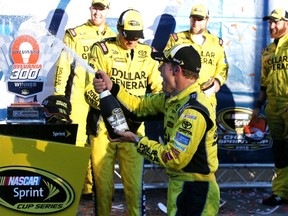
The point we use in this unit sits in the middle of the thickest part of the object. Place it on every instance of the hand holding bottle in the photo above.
(102, 81)
(111, 111)
(124, 136)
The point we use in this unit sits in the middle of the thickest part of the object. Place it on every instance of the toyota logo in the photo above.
(186, 125)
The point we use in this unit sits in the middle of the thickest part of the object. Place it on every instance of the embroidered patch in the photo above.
(181, 148)
(175, 152)
(189, 116)
(186, 125)
(182, 130)
(168, 156)
(181, 138)
(175, 36)
(73, 33)
(104, 47)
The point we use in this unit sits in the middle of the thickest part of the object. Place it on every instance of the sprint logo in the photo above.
(32, 190)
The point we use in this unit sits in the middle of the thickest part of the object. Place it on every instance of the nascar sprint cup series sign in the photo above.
(40, 177)
(32, 190)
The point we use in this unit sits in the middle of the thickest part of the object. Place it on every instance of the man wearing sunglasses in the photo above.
(129, 63)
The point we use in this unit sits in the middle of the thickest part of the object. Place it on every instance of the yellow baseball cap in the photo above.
(131, 23)
(277, 15)
(199, 11)
(104, 3)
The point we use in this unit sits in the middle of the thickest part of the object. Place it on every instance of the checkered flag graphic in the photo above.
(51, 48)
(5, 60)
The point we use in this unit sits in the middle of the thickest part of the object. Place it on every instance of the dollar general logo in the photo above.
(32, 190)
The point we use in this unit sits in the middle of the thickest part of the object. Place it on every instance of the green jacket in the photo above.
(190, 150)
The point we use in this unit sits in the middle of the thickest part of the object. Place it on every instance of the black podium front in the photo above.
(63, 133)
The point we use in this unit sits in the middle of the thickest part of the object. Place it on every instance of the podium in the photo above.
(64, 133)
(40, 175)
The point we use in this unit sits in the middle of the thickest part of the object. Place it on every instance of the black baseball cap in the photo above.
(57, 104)
(184, 55)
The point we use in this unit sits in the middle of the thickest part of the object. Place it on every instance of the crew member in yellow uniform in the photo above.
(274, 80)
(129, 62)
(189, 153)
(71, 77)
(214, 68)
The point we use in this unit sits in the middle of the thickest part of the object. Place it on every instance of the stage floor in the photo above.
(239, 202)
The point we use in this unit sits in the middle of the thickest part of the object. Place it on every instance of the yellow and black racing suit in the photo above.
(274, 80)
(135, 70)
(189, 153)
(213, 58)
(71, 77)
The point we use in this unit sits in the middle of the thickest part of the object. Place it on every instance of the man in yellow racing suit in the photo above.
(189, 153)
(274, 79)
(71, 77)
(129, 63)
(214, 68)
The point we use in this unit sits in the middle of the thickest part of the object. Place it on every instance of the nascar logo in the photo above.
(32, 190)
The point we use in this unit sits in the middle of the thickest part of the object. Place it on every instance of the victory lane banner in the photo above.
(40, 177)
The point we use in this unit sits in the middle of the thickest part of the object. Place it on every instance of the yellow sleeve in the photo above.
(96, 61)
(63, 66)
(264, 70)
(92, 97)
(180, 148)
(222, 66)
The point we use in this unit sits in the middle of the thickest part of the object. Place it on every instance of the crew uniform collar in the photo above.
(89, 23)
(281, 40)
(195, 87)
(204, 36)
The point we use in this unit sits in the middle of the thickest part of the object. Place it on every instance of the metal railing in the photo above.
(228, 176)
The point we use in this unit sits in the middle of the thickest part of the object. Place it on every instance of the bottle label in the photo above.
(105, 94)
(117, 120)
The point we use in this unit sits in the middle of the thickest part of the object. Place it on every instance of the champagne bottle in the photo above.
(112, 113)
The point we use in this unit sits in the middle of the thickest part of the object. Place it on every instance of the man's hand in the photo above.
(217, 86)
(102, 81)
(125, 136)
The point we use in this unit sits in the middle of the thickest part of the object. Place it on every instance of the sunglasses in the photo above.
(199, 19)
